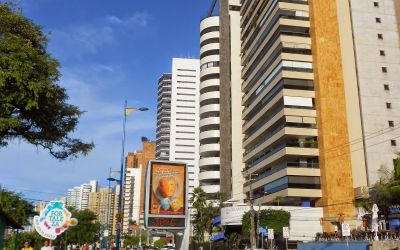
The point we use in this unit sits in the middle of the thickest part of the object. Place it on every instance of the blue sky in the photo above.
(110, 51)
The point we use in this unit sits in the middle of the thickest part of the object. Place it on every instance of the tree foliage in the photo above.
(32, 106)
(13, 204)
(276, 219)
(87, 229)
(206, 210)
(160, 243)
(17, 240)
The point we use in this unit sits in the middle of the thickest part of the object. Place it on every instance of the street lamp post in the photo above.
(127, 111)
(109, 179)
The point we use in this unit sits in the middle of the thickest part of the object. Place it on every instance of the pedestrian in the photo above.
(86, 246)
(78, 247)
(46, 245)
(27, 246)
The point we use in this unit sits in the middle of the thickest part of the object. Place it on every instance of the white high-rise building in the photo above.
(131, 200)
(209, 163)
(78, 197)
(184, 131)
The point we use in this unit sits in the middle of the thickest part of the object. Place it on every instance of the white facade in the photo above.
(209, 163)
(236, 101)
(377, 49)
(78, 197)
(304, 221)
(163, 117)
(131, 199)
(184, 130)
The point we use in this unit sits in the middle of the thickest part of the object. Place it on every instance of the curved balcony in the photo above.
(209, 58)
(209, 121)
(210, 189)
(209, 95)
(209, 22)
(209, 108)
(209, 175)
(209, 134)
(209, 148)
(209, 83)
(209, 71)
(210, 161)
(206, 36)
(210, 46)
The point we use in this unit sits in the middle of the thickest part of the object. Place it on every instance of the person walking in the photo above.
(27, 246)
(46, 245)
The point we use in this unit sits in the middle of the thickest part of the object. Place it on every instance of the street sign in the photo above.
(265, 234)
(262, 230)
(346, 229)
(270, 233)
(286, 232)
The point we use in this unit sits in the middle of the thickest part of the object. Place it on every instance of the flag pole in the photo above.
(118, 236)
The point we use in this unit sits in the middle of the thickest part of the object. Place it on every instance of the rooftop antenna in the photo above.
(214, 2)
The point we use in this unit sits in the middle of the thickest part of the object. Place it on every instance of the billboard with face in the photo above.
(166, 195)
(167, 189)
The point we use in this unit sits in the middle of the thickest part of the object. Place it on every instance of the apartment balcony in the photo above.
(209, 83)
(210, 189)
(209, 161)
(284, 152)
(209, 121)
(208, 149)
(209, 108)
(281, 133)
(209, 96)
(210, 46)
(209, 134)
(284, 169)
(211, 70)
(209, 175)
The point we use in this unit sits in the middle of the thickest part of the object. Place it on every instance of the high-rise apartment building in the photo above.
(221, 150)
(103, 201)
(320, 80)
(78, 197)
(280, 143)
(375, 26)
(134, 189)
(209, 164)
(163, 116)
(184, 116)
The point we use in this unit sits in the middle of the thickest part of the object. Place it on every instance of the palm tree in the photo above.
(278, 199)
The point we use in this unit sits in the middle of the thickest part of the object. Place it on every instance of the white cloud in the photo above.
(138, 19)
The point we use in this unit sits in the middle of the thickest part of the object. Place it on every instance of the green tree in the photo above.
(87, 229)
(276, 219)
(17, 240)
(32, 106)
(13, 204)
(206, 210)
(160, 243)
(278, 199)
(131, 241)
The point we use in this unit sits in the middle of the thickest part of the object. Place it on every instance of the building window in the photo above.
(378, 20)
(384, 69)
(380, 36)
(388, 105)
(376, 4)
(393, 142)
(386, 86)
(382, 52)
(391, 123)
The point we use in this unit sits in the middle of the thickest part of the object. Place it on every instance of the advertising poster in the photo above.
(166, 195)
(167, 186)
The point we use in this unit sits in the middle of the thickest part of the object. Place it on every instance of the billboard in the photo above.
(166, 195)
